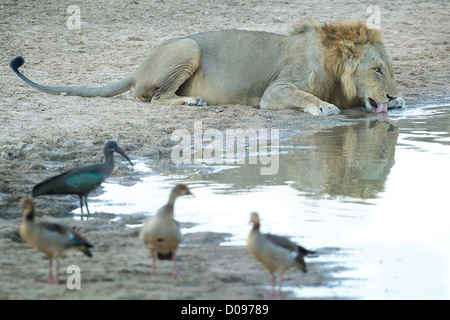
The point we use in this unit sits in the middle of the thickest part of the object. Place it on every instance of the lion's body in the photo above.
(224, 76)
(316, 68)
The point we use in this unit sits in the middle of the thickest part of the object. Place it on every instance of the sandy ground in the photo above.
(41, 135)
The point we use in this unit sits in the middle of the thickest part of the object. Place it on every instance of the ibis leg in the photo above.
(86, 204)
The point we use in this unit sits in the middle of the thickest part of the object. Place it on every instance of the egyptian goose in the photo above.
(81, 180)
(276, 253)
(161, 232)
(50, 238)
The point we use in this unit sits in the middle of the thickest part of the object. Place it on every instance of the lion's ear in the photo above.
(347, 48)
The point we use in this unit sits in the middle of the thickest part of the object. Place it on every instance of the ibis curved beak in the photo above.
(119, 150)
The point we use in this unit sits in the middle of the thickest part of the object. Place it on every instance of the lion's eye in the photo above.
(378, 70)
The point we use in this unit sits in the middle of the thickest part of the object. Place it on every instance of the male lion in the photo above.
(316, 68)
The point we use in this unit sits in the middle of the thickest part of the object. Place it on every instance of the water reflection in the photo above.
(350, 160)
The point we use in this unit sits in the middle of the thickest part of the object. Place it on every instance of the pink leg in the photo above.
(273, 284)
(272, 294)
(280, 283)
(50, 271)
(57, 271)
(176, 273)
(50, 278)
(154, 263)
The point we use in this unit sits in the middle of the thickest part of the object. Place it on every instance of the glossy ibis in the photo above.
(50, 238)
(276, 253)
(161, 233)
(82, 180)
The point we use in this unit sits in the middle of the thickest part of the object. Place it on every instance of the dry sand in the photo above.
(41, 134)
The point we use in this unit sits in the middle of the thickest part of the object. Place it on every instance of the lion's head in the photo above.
(357, 58)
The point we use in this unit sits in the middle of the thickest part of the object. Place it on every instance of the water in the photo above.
(376, 188)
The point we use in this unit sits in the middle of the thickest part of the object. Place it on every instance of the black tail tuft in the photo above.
(16, 63)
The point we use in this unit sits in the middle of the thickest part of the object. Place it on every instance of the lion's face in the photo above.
(374, 79)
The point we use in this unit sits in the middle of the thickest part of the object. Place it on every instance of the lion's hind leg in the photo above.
(165, 70)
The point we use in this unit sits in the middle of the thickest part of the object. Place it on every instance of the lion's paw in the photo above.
(397, 103)
(195, 102)
(324, 110)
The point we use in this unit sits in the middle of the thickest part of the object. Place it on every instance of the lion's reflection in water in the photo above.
(350, 160)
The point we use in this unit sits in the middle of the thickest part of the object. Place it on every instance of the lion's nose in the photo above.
(390, 98)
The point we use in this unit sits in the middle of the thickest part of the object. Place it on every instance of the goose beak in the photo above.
(189, 193)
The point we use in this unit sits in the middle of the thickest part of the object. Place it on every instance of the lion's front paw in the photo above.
(196, 102)
(397, 103)
(324, 110)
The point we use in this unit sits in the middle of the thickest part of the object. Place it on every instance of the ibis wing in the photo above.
(84, 181)
(78, 180)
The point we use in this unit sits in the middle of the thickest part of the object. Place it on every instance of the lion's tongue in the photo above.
(381, 107)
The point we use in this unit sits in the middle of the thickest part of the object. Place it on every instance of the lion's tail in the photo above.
(106, 91)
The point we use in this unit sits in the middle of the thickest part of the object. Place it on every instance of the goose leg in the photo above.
(153, 263)
(50, 272)
(273, 283)
(176, 273)
(280, 283)
(50, 278)
(57, 270)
